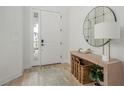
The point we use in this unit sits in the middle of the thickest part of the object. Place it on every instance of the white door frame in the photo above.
(31, 26)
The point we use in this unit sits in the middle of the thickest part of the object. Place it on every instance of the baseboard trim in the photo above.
(12, 77)
(65, 61)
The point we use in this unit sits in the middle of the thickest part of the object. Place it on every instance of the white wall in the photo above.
(76, 38)
(11, 29)
(27, 38)
(27, 32)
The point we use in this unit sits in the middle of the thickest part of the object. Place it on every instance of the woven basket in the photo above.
(80, 69)
(85, 79)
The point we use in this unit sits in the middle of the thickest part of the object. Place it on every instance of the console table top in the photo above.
(96, 59)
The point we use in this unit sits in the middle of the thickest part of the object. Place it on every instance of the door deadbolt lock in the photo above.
(42, 41)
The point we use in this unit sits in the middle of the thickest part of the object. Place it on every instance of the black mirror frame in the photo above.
(115, 19)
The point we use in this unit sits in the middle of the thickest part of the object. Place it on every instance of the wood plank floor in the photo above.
(51, 75)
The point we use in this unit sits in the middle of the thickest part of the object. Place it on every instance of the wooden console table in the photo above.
(112, 70)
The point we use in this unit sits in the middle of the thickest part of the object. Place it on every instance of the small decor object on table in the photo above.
(85, 51)
(96, 74)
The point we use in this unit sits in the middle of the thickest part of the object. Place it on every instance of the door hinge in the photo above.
(60, 16)
(61, 57)
(60, 29)
(60, 43)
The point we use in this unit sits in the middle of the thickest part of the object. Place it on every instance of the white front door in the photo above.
(50, 37)
(46, 37)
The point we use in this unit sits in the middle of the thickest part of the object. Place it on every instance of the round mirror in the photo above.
(95, 16)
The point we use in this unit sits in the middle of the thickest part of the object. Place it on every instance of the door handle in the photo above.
(42, 44)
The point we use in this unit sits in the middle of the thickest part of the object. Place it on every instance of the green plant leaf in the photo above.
(96, 73)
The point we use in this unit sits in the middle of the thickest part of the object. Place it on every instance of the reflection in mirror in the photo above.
(95, 16)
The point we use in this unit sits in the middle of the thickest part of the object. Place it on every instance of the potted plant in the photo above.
(96, 74)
